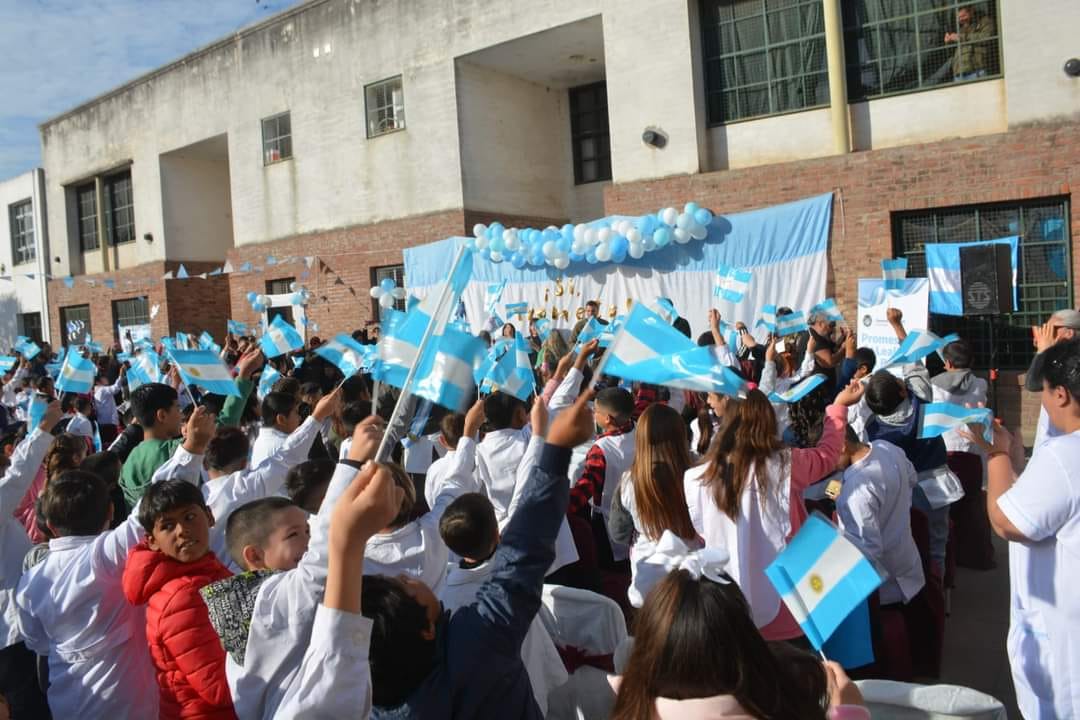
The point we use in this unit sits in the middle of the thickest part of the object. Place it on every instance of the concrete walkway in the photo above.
(974, 654)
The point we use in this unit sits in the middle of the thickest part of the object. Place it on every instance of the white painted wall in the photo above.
(1038, 37)
(780, 138)
(197, 207)
(19, 294)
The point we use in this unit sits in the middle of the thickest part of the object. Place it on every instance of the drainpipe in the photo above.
(834, 51)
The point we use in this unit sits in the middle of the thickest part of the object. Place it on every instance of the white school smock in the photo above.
(461, 461)
(497, 461)
(1044, 623)
(80, 426)
(14, 543)
(228, 492)
(538, 652)
(874, 508)
(267, 442)
(105, 402)
(71, 607)
(416, 548)
(283, 619)
(565, 550)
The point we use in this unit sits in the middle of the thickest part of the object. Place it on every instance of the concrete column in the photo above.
(41, 242)
(103, 240)
(834, 50)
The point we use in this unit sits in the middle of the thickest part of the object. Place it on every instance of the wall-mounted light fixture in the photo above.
(1072, 67)
(148, 237)
(654, 137)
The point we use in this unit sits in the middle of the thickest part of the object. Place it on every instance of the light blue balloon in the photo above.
(617, 256)
(568, 232)
(691, 207)
(564, 245)
(551, 235)
(537, 258)
(497, 244)
(591, 256)
(494, 230)
(251, 296)
(387, 284)
(703, 216)
(258, 307)
(647, 225)
(576, 257)
(662, 237)
(619, 245)
(486, 253)
(518, 260)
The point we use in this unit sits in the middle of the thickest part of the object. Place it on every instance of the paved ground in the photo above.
(975, 632)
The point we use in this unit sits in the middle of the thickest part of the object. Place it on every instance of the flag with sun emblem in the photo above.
(822, 578)
(204, 369)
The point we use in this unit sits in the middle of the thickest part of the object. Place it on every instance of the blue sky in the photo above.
(55, 54)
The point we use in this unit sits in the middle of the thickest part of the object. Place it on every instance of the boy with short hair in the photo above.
(165, 572)
(280, 417)
(451, 431)
(80, 423)
(469, 529)
(306, 483)
(499, 454)
(71, 605)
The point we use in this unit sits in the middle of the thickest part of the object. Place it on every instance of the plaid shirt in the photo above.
(590, 486)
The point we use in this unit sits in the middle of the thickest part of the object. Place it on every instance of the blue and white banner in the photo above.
(516, 308)
(783, 246)
(943, 271)
(797, 391)
(940, 417)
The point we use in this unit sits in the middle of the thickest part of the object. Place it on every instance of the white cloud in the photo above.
(55, 54)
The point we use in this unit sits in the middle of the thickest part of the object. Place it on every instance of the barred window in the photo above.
(279, 286)
(385, 103)
(897, 46)
(589, 134)
(30, 326)
(277, 138)
(393, 272)
(21, 215)
(1044, 276)
(132, 311)
(86, 207)
(74, 324)
(119, 209)
(762, 57)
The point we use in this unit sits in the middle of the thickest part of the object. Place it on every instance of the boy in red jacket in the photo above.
(165, 572)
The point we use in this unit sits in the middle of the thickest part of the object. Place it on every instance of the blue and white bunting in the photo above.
(894, 272)
(767, 319)
(822, 578)
(280, 338)
(77, 374)
(347, 355)
(794, 322)
(917, 345)
(204, 369)
(797, 391)
(731, 283)
(938, 418)
(829, 309)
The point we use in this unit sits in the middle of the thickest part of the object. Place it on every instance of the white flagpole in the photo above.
(402, 401)
(375, 390)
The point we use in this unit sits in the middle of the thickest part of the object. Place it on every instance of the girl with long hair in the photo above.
(652, 491)
(747, 497)
(709, 420)
(698, 656)
(66, 453)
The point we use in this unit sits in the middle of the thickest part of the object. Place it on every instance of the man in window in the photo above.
(974, 53)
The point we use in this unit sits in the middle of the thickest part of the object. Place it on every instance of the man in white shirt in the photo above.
(105, 405)
(1039, 514)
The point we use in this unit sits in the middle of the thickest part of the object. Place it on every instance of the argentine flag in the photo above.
(943, 271)
(543, 328)
(203, 368)
(518, 308)
(797, 391)
(77, 374)
(731, 283)
(829, 309)
(492, 296)
(513, 373)
(791, 323)
(206, 342)
(591, 330)
(767, 319)
(894, 272)
(445, 374)
(267, 378)
(26, 347)
(665, 309)
(699, 369)
(822, 577)
(7, 362)
(347, 355)
(917, 345)
(280, 338)
(143, 369)
(645, 336)
(236, 327)
(938, 418)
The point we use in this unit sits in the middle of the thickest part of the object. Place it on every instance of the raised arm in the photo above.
(25, 462)
(233, 407)
(811, 464)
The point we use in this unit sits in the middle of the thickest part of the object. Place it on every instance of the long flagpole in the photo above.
(402, 401)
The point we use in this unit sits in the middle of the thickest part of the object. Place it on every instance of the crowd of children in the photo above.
(244, 556)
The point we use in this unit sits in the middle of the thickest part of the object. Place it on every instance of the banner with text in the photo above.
(874, 331)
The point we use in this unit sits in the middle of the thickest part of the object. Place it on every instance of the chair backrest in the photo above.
(582, 619)
(888, 700)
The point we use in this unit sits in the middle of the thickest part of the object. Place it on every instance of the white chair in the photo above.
(595, 625)
(889, 700)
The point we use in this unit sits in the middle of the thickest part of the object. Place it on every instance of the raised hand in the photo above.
(328, 405)
(573, 426)
(851, 394)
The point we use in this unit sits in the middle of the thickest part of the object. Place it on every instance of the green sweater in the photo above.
(151, 454)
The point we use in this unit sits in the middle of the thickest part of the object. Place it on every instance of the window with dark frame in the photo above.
(279, 286)
(277, 138)
(898, 47)
(385, 106)
(131, 311)
(21, 215)
(393, 272)
(589, 134)
(30, 326)
(74, 324)
(119, 208)
(86, 207)
(763, 57)
(1044, 275)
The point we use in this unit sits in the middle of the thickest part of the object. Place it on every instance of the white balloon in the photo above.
(684, 221)
(562, 262)
(265, 300)
(603, 235)
(636, 251)
(386, 301)
(579, 232)
(478, 230)
(399, 293)
(698, 231)
(648, 243)
(681, 236)
(496, 257)
(293, 286)
(633, 235)
(603, 252)
(481, 242)
(510, 239)
(549, 249)
(670, 216)
(590, 236)
(375, 292)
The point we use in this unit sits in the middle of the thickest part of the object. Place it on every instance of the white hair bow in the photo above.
(671, 553)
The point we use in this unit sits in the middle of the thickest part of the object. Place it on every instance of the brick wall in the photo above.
(1026, 162)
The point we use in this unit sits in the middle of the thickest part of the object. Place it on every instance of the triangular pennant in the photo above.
(227, 267)
(182, 273)
(166, 276)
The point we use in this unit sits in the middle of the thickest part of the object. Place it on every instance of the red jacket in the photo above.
(184, 646)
